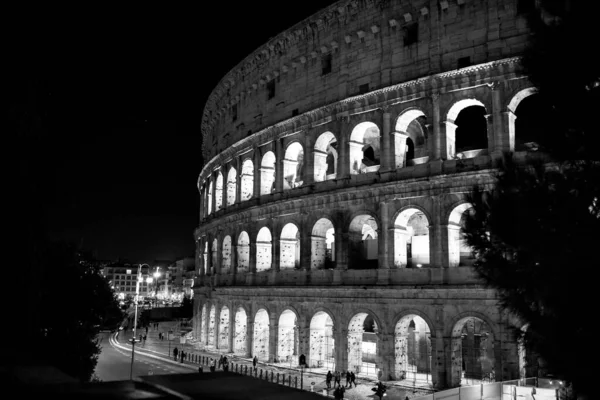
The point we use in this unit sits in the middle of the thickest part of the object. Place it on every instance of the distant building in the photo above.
(123, 278)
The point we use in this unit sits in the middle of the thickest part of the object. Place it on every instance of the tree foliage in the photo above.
(536, 231)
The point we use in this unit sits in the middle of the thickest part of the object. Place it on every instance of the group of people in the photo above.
(182, 354)
(222, 363)
(337, 379)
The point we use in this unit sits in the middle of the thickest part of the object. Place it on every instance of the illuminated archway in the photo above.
(261, 335)
(410, 144)
(411, 239)
(219, 192)
(287, 346)
(226, 255)
(247, 180)
(239, 333)
(211, 326)
(289, 247)
(209, 198)
(322, 245)
(203, 318)
(213, 261)
(224, 329)
(466, 129)
(412, 349)
(293, 166)
(365, 149)
(231, 186)
(362, 345)
(363, 242)
(243, 253)
(459, 252)
(472, 352)
(322, 342)
(267, 173)
(326, 155)
(263, 249)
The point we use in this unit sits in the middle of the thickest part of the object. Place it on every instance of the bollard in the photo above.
(296, 382)
(271, 376)
(261, 373)
(245, 370)
(283, 379)
(278, 378)
(289, 380)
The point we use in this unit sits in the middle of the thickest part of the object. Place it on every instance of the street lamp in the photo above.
(137, 293)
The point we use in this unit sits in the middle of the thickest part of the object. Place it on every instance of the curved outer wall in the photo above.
(341, 172)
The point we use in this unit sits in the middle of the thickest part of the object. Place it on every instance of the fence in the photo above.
(521, 389)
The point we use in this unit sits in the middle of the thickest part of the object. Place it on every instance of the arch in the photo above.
(364, 140)
(293, 166)
(231, 186)
(472, 344)
(240, 332)
(466, 129)
(411, 138)
(212, 326)
(263, 249)
(326, 156)
(289, 248)
(203, 325)
(412, 348)
(243, 252)
(209, 199)
(247, 180)
(321, 341)
(267, 173)
(519, 96)
(363, 242)
(322, 251)
(411, 239)
(219, 192)
(288, 337)
(529, 123)
(226, 255)
(459, 253)
(363, 344)
(261, 335)
(214, 255)
(223, 343)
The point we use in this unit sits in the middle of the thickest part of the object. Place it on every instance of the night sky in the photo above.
(121, 93)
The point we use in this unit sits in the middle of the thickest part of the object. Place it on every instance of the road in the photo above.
(114, 364)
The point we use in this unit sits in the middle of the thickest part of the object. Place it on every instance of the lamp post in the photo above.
(137, 293)
(156, 277)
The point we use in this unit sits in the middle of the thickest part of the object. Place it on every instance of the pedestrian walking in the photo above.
(336, 379)
(200, 370)
(352, 379)
(254, 362)
(328, 378)
(146, 329)
(175, 353)
(221, 361)
(144, 338)
(348, 379)
(182, 355)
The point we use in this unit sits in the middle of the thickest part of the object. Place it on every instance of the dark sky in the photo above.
(120, 93)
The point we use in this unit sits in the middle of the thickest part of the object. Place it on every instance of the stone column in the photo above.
(256, 178)
(234, 257)
(343, 136)
(202, 204)
(238, 180)
(400, 149)
(498, 128)
(309, 160)
(275, 253)
(251, 275)
(304, 340)
(506, 353)
(250, 336)
(439, 140)
(278, 166)
(341, 347)
(224, 190)
(217, 324)
(385, 355)
(213, 182)
(231, 327)
(386, 159)
(341, 255)
(273, 338)
(383, 273)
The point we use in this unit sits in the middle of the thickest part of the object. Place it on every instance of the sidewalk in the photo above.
(164, 349)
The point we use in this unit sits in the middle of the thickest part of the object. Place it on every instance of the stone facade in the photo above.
(340, 154)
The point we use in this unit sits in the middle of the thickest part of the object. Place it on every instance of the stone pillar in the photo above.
(400, 149)
(341, 347)
(385, 355)
(273, 338)
(217, 325)
(233, 257)
(213, 183)
(383, 273)
(341, 255)
(387, 157)
(506, 353)
(202, 204)
(343, 136)
(508, 123)
(250, 336)
(251, 275)
(238, 180)
(278, 166)
(275, 253)
(497, 145)
(304, 338)
(224, 189)
(231, 327)
(256, 181)
(439, 141)
(309, 160)
(319, 166)
(438, 236)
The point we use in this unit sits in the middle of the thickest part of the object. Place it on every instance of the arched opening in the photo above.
(412, 350)
(322, 252)
(363, 243)
(205, 257)
(203, 319)
(239, 338)
(224, 329)
(459, 252)
(226, 255)
(267, 173)
(211, 326)
(411, 239)
(243, 253)
(287, 346)
(411, 139)
(261, 335)
(263, 249)
(362, 345)
(209, 198)
(325, 157)
(472, 352)
(289, 248)
(219, 192)
(364, 148)
(531, 122)
(214, 255)
(231, 186)
(247, 180)
(322, 342)
(293, 166)
(466, 129)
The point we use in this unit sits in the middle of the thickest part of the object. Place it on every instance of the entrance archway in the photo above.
(267, 173)
(231, 186)
(293, 166)
(326, 156)
(322, 342)
(287, 346)
(322, 252)
(243, 250)
(239, 338)
(412, 350)
(411, 239)
(263, 249)
(362, 345)
(261, 335)
(289, 247)
(364, 148)
(224, 329)
(247, 180)
(472, 352)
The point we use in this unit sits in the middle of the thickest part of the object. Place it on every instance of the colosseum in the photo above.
(339, 157)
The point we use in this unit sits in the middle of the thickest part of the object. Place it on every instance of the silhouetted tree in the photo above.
(536, 231)
(187, 307)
